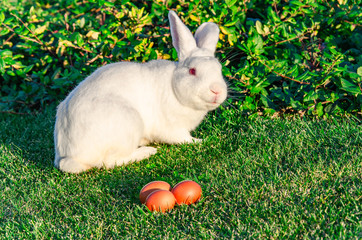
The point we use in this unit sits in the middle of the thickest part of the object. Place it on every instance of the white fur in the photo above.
(110, 116)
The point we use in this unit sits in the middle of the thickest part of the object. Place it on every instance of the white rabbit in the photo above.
(110, 116)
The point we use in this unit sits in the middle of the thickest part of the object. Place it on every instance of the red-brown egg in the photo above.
(187, 192)
(160, 201)
(151, 187)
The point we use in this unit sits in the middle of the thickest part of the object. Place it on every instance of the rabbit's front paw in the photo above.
(144, 152)
(138, 154)
(70, 165)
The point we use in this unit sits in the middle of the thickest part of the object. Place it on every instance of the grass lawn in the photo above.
(261, 178)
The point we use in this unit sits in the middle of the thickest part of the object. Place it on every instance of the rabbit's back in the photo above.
(135, 83)
(122, 78)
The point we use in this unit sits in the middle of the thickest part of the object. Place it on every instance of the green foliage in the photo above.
(280, 56)
(302, 57)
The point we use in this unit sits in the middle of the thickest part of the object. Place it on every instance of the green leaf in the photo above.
(353, 27)
(230, 2)
(79, 39)
(295, 2)
(226, 31)
(273, 15)
(231, 23)
(82, 22)
(248, 103)
(2, 17)
(359, 71)
(4, 31)
(40, 29)
(11, 73)
(350, 87)
(109, 4)
(310, 96)
(2, 65)
(259, 47)
(6, 53)
(194, 18)
(28, 68)
(259, 27)
(319, 109)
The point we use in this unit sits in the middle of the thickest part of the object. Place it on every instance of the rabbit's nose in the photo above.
(216, 92)
(216, 89)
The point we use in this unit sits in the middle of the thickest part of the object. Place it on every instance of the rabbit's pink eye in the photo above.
(192, 71)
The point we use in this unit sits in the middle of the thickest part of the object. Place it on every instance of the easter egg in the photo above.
(151, 187)
(160, 201)
(187, 192)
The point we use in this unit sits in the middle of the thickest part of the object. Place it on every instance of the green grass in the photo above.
(261, 178)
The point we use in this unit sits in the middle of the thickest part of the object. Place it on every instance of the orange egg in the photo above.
(151, 187)
(160, 201)
(187, 192)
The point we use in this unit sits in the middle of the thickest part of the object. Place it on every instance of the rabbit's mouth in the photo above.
(214, 102)
(217, 98)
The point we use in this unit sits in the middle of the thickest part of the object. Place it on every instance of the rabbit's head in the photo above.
(197, 81)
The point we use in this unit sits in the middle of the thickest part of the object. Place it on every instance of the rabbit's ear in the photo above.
(207, 36)
(182, 38)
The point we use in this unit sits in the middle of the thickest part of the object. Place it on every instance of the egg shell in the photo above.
(160, 201)
(151, 187)
(187, 192)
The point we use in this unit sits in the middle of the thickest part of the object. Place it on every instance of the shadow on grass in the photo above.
(28, 139)
(31, 135)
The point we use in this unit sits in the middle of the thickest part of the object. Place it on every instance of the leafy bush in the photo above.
(280, 56)
(302, 57)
